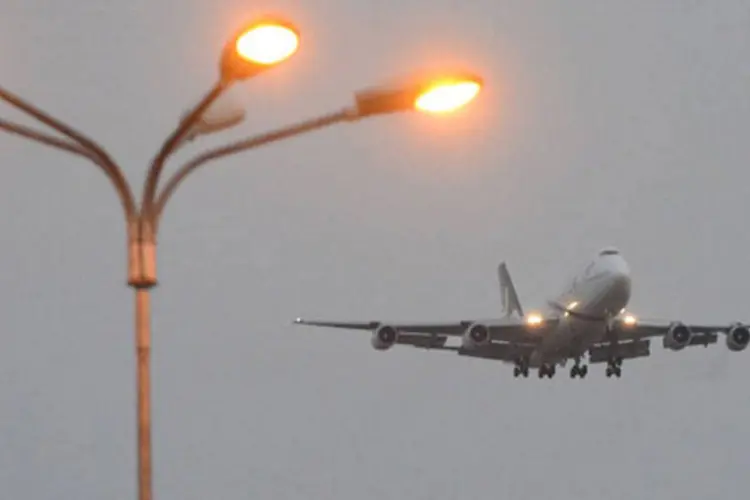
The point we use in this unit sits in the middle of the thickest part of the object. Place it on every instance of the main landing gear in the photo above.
(546, 371)
(579, 370)
(521, 368)
(614, 367)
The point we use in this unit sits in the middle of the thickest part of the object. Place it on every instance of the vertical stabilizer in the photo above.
(508, 293)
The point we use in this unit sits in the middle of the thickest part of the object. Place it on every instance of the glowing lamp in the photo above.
(433, 95)
(447, 96)
(258, 46)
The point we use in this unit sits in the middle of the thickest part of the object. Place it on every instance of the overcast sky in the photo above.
(602, 123)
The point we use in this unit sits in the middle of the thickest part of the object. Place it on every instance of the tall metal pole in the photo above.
(142, 277)
(143, 353)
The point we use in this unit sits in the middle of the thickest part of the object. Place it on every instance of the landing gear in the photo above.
(614, 367)
(579, 371)
(547, 371)
(521, 368)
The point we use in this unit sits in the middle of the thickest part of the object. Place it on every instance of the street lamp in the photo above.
(254, 49)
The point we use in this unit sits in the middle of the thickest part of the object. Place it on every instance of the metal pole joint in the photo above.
(141, 254)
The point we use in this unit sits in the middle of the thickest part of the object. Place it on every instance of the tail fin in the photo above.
(508, 293)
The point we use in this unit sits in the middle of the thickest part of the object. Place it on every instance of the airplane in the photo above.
(588, 319)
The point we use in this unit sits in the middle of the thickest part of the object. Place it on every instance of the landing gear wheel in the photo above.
(547, 370)
(579, 370)
(521, 368)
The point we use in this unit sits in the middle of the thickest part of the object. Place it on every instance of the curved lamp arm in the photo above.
(173, 141)
(70, 147)
(237, 147)
(48, 140)
(94, 150)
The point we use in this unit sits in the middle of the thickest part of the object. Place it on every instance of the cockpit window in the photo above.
(609, 251)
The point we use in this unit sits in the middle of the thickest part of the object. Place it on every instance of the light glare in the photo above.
(534, 319)
(447, 96)
(629, 320)
(267, 44)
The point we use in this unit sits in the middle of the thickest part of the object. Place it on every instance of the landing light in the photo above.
(534, 319)
(629, 320)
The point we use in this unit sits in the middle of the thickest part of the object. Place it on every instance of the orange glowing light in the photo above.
(267, 43)
(534, 319)
(447, 95)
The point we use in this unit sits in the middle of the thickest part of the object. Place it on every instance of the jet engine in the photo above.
(476, 335)
(383, 337)
(678, 337)
(738, 337)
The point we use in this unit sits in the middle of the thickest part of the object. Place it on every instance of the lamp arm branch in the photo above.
(105, 161)
(73, 148)
(46, 139)
(174, 140)
(244, 145)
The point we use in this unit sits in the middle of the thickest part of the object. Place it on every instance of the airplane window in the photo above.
(610, 251)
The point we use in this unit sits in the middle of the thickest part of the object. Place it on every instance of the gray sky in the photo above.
(602, 123)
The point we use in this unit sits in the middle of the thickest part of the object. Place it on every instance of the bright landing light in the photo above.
(629, 320)
(534, 319)
(267, 44)
(447, 96)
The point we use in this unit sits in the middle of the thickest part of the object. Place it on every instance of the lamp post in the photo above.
(252, 50)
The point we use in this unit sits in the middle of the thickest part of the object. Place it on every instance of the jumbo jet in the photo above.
(587, 320)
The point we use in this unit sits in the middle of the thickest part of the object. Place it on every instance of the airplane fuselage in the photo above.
(592, 299)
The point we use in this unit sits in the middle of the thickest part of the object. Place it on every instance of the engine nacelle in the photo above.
(384, 337)
(738, 337)
(477, 335)
(678, 337)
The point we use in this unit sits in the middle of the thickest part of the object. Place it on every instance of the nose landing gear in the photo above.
(546, 371)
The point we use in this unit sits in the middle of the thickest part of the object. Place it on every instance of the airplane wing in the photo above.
(677, 335)
(506, 330)
(630, 339)
(651, 329)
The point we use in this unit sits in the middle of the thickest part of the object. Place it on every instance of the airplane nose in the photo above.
(622, 280)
